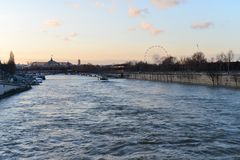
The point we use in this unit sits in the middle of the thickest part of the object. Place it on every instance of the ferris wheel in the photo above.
(155, 54)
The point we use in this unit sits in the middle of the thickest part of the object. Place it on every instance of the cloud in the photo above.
(113, 6)
(155, 31)
(202, 25)
(73, 5)
(71, 36)
(146, 26)
(150, 28)
(134, 12)
(162, 4)
(108, 5)
(99, 5)
(52, 23)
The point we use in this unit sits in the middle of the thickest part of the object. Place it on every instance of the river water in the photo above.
(74, 117)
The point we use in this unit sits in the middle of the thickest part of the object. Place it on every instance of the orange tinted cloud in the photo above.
(150, 28)
(52, 23)
(134, 12)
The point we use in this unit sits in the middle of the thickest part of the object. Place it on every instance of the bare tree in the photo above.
(221, 57)
(230, 57)
(199, 58)
(170, 60)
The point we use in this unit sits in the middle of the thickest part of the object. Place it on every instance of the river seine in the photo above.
(74, 117)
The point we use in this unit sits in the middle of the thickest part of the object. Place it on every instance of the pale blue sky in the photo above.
(111, 31)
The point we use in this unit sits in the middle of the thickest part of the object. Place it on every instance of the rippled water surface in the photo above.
(73, 117)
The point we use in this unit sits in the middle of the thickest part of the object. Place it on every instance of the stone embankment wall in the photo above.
(211, 79)
(4, 88)
(7, 90)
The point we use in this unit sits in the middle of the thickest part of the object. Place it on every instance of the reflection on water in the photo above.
(73, 117)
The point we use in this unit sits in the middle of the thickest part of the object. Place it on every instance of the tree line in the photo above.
(196, 63)
(223, 62)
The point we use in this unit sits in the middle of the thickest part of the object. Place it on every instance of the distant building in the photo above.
(79, 62)
(51, 63)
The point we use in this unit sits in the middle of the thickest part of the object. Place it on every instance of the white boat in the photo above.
(39, 80)
(103, 78)
(34, 82)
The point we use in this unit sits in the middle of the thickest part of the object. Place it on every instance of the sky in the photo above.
(116, 31)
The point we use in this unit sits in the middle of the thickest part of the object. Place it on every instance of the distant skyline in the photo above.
(115, 31)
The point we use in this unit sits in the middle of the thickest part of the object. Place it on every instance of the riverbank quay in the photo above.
(230, 80)
(9, 89)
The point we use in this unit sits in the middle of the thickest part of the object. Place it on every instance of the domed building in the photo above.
(51, 63)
